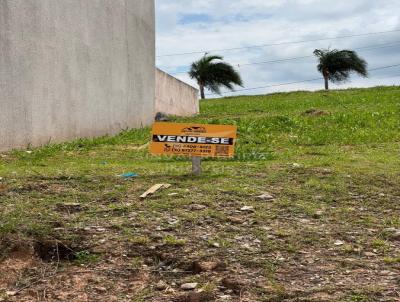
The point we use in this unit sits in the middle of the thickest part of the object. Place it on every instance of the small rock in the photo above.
(339, 243)
(11, 293)
(209, 266)
(161, 285)
(382, 194)
(100, 289)
(173, 194)
(318, 214)
(173, 221)
(198, 207)
(296, 165)
(236, 220)
(247, 209)
(216, 244)
(196, 297)
(189, 286)
(234, 284)
(369, 254)
(396, 236)
(246, 246)
(266, 228)
(170, 291)
(266, 197)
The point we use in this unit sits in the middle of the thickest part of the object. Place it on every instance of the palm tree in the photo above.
(336, 65)
(212, 73)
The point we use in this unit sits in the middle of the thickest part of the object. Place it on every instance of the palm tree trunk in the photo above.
(202, 94)
(326, 79)
(326, 83)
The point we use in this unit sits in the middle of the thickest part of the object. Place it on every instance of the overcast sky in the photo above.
(198, 25)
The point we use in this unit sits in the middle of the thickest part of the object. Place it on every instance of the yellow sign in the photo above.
(193, 140)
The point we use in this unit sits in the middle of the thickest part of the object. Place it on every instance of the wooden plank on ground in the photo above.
(154, 189)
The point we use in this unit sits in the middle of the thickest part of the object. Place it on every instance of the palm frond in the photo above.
(213, 73)
(337, 65)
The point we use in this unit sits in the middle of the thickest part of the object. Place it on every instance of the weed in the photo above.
(173, 241)
(85, 257)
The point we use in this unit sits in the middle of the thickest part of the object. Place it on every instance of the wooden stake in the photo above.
(196, 165)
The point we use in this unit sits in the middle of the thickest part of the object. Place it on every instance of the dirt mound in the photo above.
(316, 112)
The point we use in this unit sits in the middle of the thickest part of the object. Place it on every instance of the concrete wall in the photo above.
(74, 68)
(174, 96)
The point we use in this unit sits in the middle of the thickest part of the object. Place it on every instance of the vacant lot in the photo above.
(326, 229)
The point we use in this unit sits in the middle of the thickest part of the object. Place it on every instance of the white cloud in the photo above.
(238, 23)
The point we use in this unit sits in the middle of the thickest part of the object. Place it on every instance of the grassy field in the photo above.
(71, 229)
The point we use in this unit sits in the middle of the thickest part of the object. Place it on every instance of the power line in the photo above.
(384, 67)
(372, 47)
(389, 76)
(276, 44)
(291, 83)
(269, 86)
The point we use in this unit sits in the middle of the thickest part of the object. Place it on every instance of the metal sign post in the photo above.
(196, 165)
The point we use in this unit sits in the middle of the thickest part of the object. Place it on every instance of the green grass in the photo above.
(335, 177)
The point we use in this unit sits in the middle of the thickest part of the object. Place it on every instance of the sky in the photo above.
(185, 26)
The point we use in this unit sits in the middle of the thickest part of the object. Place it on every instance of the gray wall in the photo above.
(174, 96)
(74, 68)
